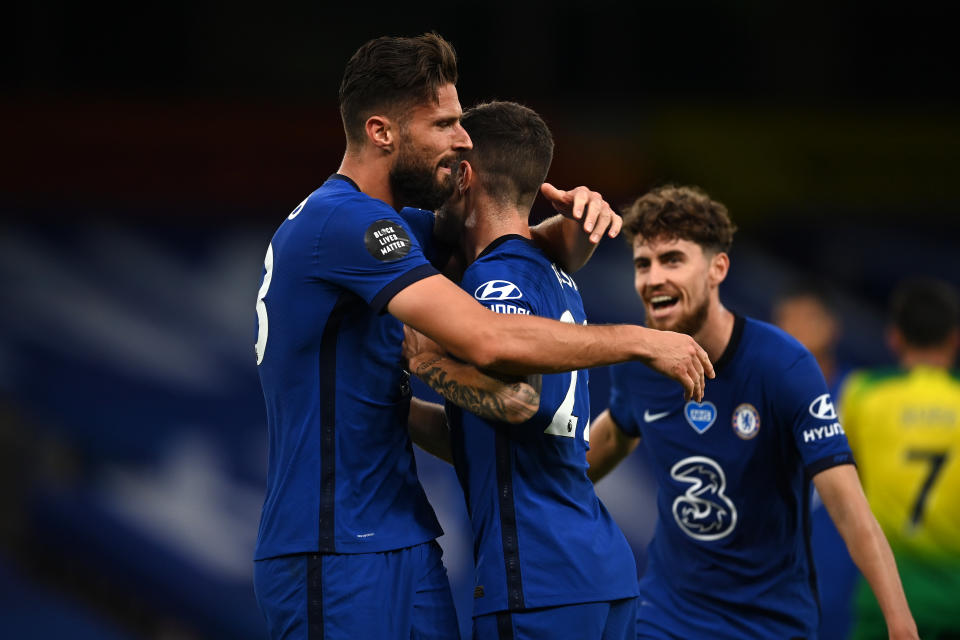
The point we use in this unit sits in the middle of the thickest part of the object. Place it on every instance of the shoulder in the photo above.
(420, 220)
(339, 203)
(862, 382)
(772, 348)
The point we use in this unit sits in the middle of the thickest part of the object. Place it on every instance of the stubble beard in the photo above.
(689, 323)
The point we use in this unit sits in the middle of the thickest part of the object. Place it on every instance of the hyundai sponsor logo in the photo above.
(819, 433)
(499, 307)
(497, 290)
(822, 408)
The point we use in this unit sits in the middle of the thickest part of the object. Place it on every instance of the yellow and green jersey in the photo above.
(904, 429)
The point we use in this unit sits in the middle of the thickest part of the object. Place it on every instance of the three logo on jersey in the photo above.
(703, 511)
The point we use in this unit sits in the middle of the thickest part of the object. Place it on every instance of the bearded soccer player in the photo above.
(730, 556)
(550, 561)
(346, 543)
(904, 427)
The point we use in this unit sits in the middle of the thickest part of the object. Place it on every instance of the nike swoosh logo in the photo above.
(651, 417)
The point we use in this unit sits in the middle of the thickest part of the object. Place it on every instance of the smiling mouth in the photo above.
(662, 302)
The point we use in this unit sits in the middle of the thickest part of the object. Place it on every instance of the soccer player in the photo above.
(806, 313)
(550, 561)
(730, 555)
(346, 545)
(904, 427)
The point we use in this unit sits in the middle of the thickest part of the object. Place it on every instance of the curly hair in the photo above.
(670, 212)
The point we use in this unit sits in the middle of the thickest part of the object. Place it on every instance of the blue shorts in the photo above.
(616, 620)
(402, 594)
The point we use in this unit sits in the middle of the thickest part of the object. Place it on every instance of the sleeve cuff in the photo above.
(379, 302)
(823, 464)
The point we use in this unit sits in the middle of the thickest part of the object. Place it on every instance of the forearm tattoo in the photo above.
(482, 402)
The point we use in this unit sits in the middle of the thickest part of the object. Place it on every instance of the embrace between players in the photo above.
(346, 546)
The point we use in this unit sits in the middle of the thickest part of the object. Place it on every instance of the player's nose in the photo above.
(655, 275)
(461, 139)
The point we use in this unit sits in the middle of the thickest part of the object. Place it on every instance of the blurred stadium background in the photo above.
(149, 151)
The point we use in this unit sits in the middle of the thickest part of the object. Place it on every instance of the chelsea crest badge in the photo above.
(746, 421)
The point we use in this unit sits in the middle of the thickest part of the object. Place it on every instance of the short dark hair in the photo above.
(810, 288)
(925, 311)
(393, 74)
(512, 150)
(686, 213)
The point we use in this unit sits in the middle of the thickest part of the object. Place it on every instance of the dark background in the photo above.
(148, 152)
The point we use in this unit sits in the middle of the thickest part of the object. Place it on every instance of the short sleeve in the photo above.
(501, 287)
(620, 407)
(806, 406)
(371, 251)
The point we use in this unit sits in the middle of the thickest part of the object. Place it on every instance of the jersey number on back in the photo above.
(935, 459)
(263, 325)
(564, 423)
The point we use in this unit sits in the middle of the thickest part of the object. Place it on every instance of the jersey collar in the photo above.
(347, 179)
(731, 348)
(499, 241)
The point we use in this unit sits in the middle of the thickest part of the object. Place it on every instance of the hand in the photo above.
(586, 205)
(678, 356)
(417, 346)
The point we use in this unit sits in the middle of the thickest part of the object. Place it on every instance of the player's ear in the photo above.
(381, 133)
(465, 176)
(719, 266)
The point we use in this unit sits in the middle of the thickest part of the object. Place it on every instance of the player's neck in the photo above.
(716, 332)
(488, 220)
(372, 174)
(936, 358)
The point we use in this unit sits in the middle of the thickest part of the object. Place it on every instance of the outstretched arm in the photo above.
(608, 446)
(839, 488)
(570, 237)
(468, 387)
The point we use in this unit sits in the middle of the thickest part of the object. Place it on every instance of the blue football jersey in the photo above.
(541, 536)
(341, 475)
(730, 555)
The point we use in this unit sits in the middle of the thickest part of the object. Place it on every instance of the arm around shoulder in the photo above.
(524, 344)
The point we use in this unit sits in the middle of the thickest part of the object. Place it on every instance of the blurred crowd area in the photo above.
(149, 153)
